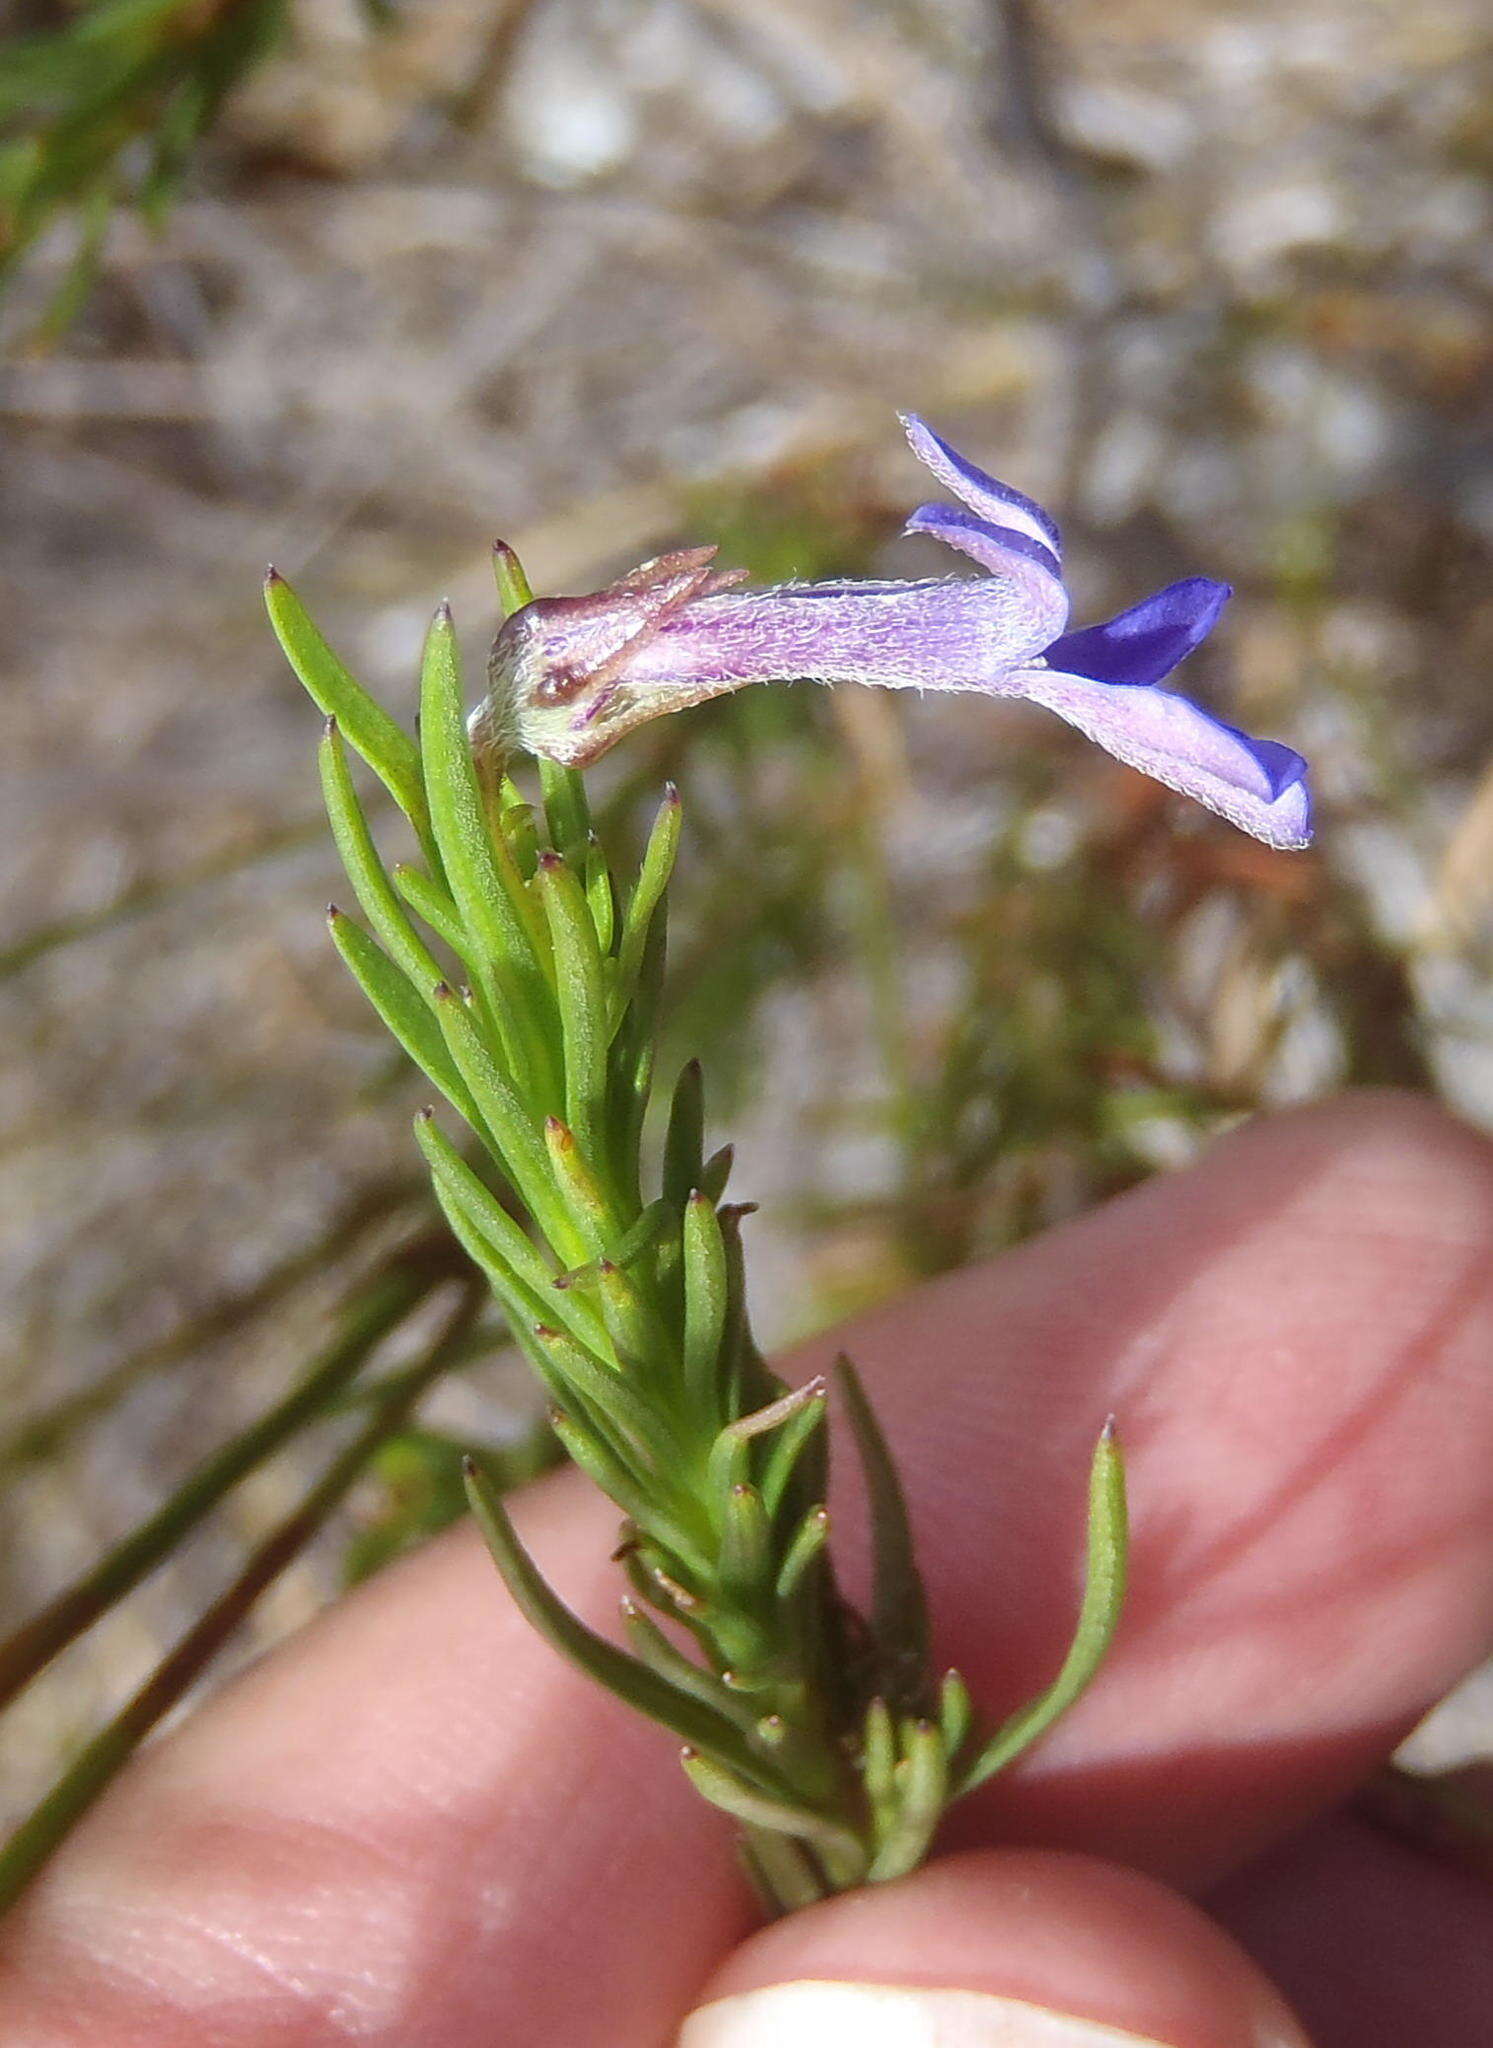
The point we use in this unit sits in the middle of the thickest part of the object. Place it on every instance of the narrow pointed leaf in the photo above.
(1104, 1593)
(796, 1434)
(508, 573)
(729, 1454)
(485, 886)
(899, 1617)
(623, 1484)
(383, 744)
(746, 1546)
(566, 810)
(879, 1758)
(956, 1714)
(716, 1172)
(403, 1009)
(507, 1241)
(584, 1197)
(581, 993)
(706, 1303)
(600, 895)
(781, 1871)
(684, 1149)
(803, 1552)
(520, 1150)
(921, 1789)
(365, 869)
(640, 1338)
(647, 894)
(835, 1843)
(429, 900)
(653, 1647)
(690, 1719)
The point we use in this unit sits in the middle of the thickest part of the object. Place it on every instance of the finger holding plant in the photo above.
(525, 982)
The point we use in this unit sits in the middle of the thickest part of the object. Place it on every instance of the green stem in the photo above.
(372, 1313)
(88, 1776)
(42, 1433)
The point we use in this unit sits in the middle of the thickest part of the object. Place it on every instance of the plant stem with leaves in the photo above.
(525, 982)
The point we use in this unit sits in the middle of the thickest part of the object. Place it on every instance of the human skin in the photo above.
(413, 1825)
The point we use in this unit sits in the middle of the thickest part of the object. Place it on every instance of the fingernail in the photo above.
(812, 2015)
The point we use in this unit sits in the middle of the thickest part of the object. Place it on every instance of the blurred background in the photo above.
(358, 293)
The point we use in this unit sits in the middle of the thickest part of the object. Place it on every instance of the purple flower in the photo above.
(571, 675)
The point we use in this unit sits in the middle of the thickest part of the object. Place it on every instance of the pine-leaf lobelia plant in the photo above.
(525, 983)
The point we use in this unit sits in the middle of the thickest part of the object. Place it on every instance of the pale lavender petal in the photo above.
(990, 545)
(1145, 643)
(985, 495)
(1006, 552)
(959, 633)
(1258, 785)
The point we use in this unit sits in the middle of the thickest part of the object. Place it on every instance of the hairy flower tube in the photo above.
(570, 676)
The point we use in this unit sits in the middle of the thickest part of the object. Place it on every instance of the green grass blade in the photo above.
(1104, 1594)
(53, 1819)
(382, 1304)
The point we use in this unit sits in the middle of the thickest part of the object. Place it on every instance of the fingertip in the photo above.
(1003, 1949)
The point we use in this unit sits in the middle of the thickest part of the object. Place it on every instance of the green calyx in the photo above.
(522, 976)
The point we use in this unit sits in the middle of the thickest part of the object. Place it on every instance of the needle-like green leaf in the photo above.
(383, 744)
(690, 1719)
(581, 991)
(899, 1615)
(647, 894)
(706, 1301)
(836, 1845)
(506, 1240)
(365, 869)
(517, 1143)
(486, 887)
(566, 810)
(1104, 1593)
(403, 1009)
(430, 901)
(921, 1784)
(684, 1140)
(508, 573)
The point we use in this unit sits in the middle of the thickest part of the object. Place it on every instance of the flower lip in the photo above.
(985, 495)
(958, 528)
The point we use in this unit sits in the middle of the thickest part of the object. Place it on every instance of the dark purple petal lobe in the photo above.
(986, 495)
(1145, 643)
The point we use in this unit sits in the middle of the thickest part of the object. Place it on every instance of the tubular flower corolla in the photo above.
(570, 676)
